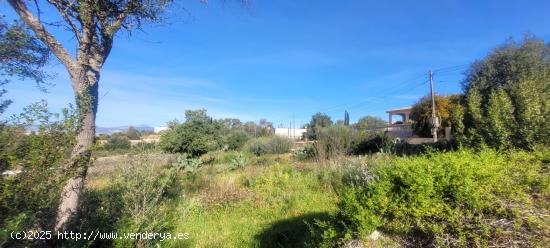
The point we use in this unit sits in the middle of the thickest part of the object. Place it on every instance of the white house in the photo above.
(292, 133)
(160, 129)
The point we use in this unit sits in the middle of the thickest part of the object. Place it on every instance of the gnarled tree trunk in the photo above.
(87, 101)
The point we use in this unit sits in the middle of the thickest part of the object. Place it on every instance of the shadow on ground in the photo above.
(292, 232)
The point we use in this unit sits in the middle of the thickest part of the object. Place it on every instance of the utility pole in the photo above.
(435, 121)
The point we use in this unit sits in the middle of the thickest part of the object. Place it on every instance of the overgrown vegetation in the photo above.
(269, 145)
(454, 199)
(28, 197)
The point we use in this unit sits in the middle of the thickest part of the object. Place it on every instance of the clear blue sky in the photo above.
(276, 59)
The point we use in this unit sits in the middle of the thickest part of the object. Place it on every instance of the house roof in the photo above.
(397, 110)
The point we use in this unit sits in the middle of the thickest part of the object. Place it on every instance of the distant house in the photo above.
(292, 133)
(401, 128)
(404, 112)
(160, 129)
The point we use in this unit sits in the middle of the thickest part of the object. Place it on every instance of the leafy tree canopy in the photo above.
(507, 96)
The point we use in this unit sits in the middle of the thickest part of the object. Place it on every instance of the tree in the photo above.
(368, 122)
(94, 24)
(22, 55)
(236, 139)
(507, 96)
(196, 136)
(132, 133)
(318, 121)
(346, 118)
(449, 110)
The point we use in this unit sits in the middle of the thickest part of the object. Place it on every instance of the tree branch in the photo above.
(58, 50)
(63, 11)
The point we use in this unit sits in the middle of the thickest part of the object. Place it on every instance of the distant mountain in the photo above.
(111, 130)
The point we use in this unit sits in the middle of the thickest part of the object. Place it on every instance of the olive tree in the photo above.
(94, 24)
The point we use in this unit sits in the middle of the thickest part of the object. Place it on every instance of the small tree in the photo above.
(318, 121)
(132, 133)
(236, 139)
(196, 136)
(449, 110)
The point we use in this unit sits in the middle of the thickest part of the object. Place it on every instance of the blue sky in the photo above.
(279, 59)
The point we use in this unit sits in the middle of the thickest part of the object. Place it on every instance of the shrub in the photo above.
(28, 200)
(117, 142)
(198, 135)
(458, 199)
(369, 143)
(236, 140)
(507, 96)
(334, 141)
(186, 164)
(306, 152)
(269, 145)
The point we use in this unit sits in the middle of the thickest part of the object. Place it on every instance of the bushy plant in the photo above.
(236, 140)
(186, 164)
(304, 153)
(368, 143)
(507, 97)
(454, 199)
(269, 145)
(239, 161)
(334, 141)
(29, 198)
(198, 135)
(117, 142)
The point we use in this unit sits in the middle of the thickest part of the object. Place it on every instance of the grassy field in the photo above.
(268, 203)
(234, 199)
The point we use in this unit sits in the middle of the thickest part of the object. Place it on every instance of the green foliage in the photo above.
(132, 133)
(236, 140)
(318, 121)
(368, 143)
(28, 200)
(449, 109)
(186, 164)
(22, 55)
(369, 122)
(117, 142)
(458, 199)
(334, 141)
(196, 136)
(136, 199)
(239, 161)
(307, 152)
(507, 96)
(269, 145)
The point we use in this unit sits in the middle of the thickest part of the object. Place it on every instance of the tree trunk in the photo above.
(85, 85)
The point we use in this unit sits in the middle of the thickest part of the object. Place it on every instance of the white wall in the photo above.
(293, 133)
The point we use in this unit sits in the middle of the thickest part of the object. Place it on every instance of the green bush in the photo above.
(269, 145)
(369, 143)
(334, 141)
(305, 153)
(454, 199)
(507, 97)
(117, 142)
(236, 140)
(198, 135)
(28, 200)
